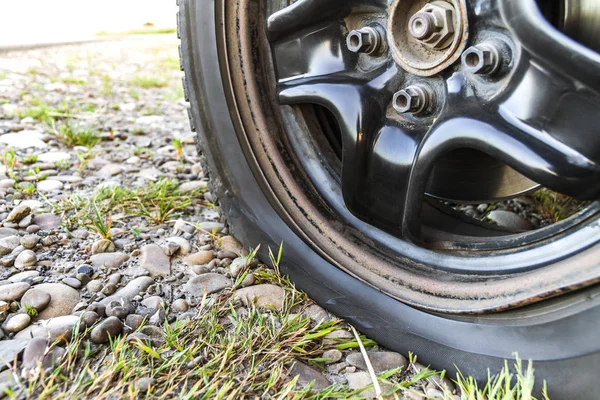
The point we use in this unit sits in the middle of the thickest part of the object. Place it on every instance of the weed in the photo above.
(72, 81)
(555, 206)
(143, 152)
(27, 188)
(32, 159)
(138, 131)
(107, 89)
(31, 311)
(148, 82)
(135, 94)
(62, 164)
(68, 133)
(159, 201)
(88, 107)
(99, 223)
(178, 148)
(9, 160)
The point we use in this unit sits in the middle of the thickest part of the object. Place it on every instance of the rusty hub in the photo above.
(426, 37)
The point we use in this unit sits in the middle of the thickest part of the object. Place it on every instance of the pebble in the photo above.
(17, 323)
(134, 321)
(109, 170)
(182, 226)
(248, 280)
(49, 185)
(18, 213)
(117, 309)
(332, 356)
(73, 282)
(30, 241)
(103, 246)
(200, 269)
(359, 380)
(192, 186)
(237, 266)
(229, 243)
(109, 260)
(109, 328)
(180, 305)
(89, 318)
(199, 258)
(155, 261)
(59, 328)
(36, 298)
(184, 245)
(8, 244)
(49, 240)
(336, 337)
(211, 227)
(132, 289)
(53, 157)
(85, 269)
(380, 360)
(10, 349)
(22, 276)
(211, 283)
(13, 291)
(7, 183)
(154, 302)
(63, 299)
(26, 258)
(25, 222)
(510, 220)
(307, 374)
(47, 221)
(264, 296)
(94, 286)
(109, 289)
(144, 384)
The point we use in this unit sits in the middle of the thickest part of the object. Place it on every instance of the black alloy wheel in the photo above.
(348, 128)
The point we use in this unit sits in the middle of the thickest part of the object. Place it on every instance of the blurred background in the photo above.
(25, 23)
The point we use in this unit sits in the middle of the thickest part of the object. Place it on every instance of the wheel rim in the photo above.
(411, 278)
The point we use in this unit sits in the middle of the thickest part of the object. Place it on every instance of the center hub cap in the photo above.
(426, 37)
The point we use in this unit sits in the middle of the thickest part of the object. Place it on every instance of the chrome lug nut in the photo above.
(484, 59)
(433, 25)
(368, 40)
(414, 99)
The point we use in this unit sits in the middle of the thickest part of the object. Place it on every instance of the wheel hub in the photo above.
(427, 36)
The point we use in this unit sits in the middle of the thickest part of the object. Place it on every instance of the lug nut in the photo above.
(484, 59)
(369, 40)
(414, 99)
(433, 25)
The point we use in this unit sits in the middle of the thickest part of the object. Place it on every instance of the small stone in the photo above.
(109, 289)
(153, 302)
(200, 269)
(103, 246)
(109, 260)
(25, 222)
(134, 321)
(158, 317)
(8, 244)
(182, 226)
(144, 384)
(7, 183)
(49, 185)
(63, 299)
(35, 298)
(13, 291)
(117, 309)
(211, 283)
(85, 269)
(18, 213)
(17, 323)
(23, 140)
(199, 258)
(155, 261)
(83, 278)
(133, 288)
(184, 245)
(192, 186)
(211, 226)
(49, 240)
(73, 282)
(23, 276)
(53, 157)
(307, 375)
(337, 337)
(47, 221)
(359, 380)
(180, 305)
(10, 349)
(433, 393)
(109, 328)
(27, 258)
(332, 356)
(510, 220)
(229, 243)
(109, 170)
(94, 286)
(263, 296)
(249, 280)
(237, 266)
(34, 353)
(89, 318)
(317, 313)
(30, 241)
(380, 360)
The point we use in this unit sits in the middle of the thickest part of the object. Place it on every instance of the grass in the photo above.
(157, 202)
(226, 352)
(71, 135)
(555, 206)
(32, 159)
(101, 223)
(148, 82)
